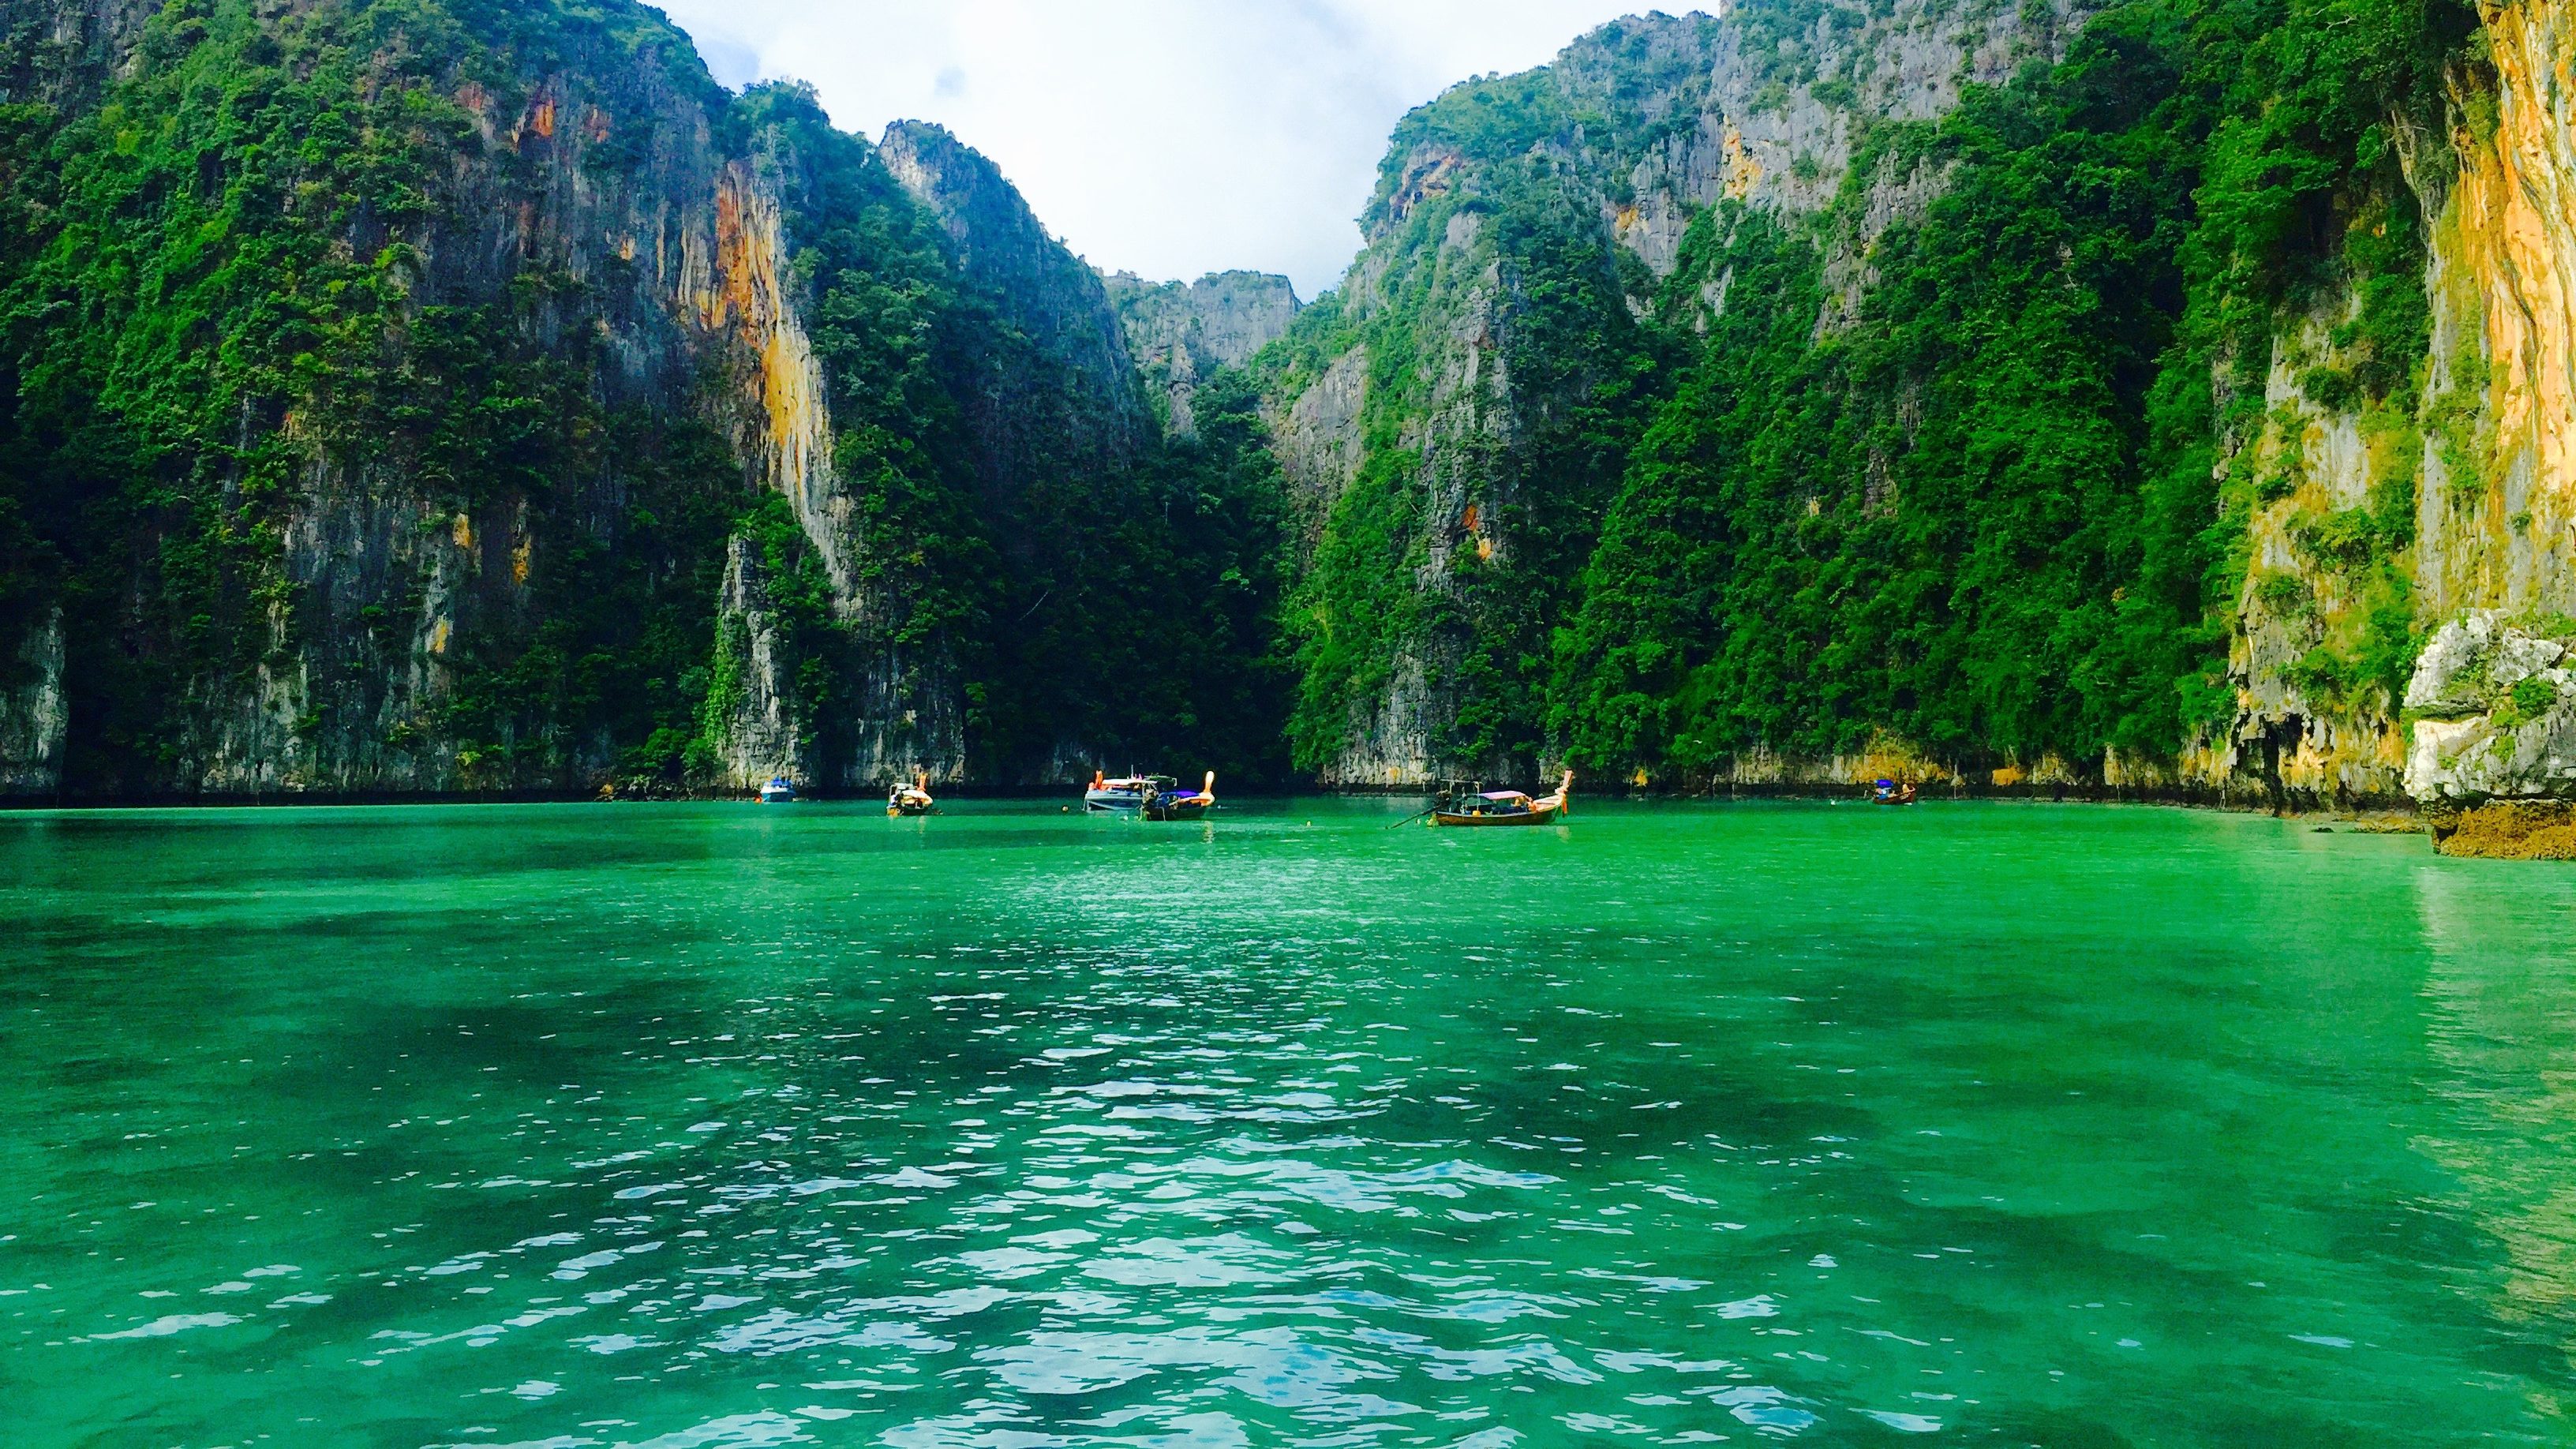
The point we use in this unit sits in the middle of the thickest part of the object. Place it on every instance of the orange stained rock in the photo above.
(746, 298)
(1743, 173)
(2516, 221)
(746, 258)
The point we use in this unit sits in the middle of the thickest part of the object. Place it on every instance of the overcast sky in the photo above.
(1166, 137)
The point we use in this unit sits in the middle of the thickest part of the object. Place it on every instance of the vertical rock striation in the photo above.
(1430, 415)
(2472, 461)
(32, 717)
(561, 420)
(1181, 334)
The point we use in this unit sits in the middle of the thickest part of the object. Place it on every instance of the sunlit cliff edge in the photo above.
(2081, 398)
(2382, 451)
(2485, 441)
(507, 407)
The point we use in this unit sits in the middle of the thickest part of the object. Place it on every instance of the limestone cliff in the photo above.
(32, 718)
(1704, 406)
(1054, 300)
(2494, 712)
(1182, 333)
(2480, 447)
(1425, 406)
(571, 421)
(2073, 397)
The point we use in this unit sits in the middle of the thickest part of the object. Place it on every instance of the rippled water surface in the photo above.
(708, 1126)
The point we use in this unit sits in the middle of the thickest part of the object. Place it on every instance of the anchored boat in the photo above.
(1155, 797)
(779, 791)
(1503, 807)
(912, 799)
(1184, 807)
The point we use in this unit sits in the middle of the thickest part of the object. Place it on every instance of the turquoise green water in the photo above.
(700, 1126)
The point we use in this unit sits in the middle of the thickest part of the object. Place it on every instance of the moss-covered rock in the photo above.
(2493, 704)
(2507, 830)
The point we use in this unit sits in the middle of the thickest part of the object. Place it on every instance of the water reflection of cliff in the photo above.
(2501, 982)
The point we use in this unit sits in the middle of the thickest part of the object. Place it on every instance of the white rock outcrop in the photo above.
(2494, 710)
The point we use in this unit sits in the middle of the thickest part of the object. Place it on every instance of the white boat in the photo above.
(1156, 797)
(1124, 795)
(779, 791)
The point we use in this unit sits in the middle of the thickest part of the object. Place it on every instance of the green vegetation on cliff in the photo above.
(369, 409)
(348, 445)
(1946, 461)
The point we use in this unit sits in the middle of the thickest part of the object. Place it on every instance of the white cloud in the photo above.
(1168, 137)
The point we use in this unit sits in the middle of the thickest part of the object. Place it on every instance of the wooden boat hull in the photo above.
(1541, 815)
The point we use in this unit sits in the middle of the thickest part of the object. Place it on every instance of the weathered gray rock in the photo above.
(1053, 298)
(757, 738)
(2495, 710)
(1317, 439)
(32, 714)
(1182, 334)
(1659, 118)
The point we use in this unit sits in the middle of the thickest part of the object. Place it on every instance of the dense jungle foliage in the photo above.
(1990, 501)
(296, 269)
(1075, 579)
(1978, 480)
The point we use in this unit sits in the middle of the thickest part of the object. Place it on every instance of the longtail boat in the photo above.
(912, 799)
(1505, 807)
(1156, 797)
(1183, 807)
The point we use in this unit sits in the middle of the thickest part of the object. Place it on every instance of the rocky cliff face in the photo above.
(1429, 413)
(1180, 334)
(577, 421)
(2477, 449)
(1679, 417)
(1052, 298)
(582, 199)
(2082, 397)
(2494, 711)
(32, 718)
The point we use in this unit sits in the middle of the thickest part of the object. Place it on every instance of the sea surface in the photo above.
(718, 1125)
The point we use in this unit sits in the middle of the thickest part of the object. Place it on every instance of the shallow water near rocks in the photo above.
(730, 1125)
